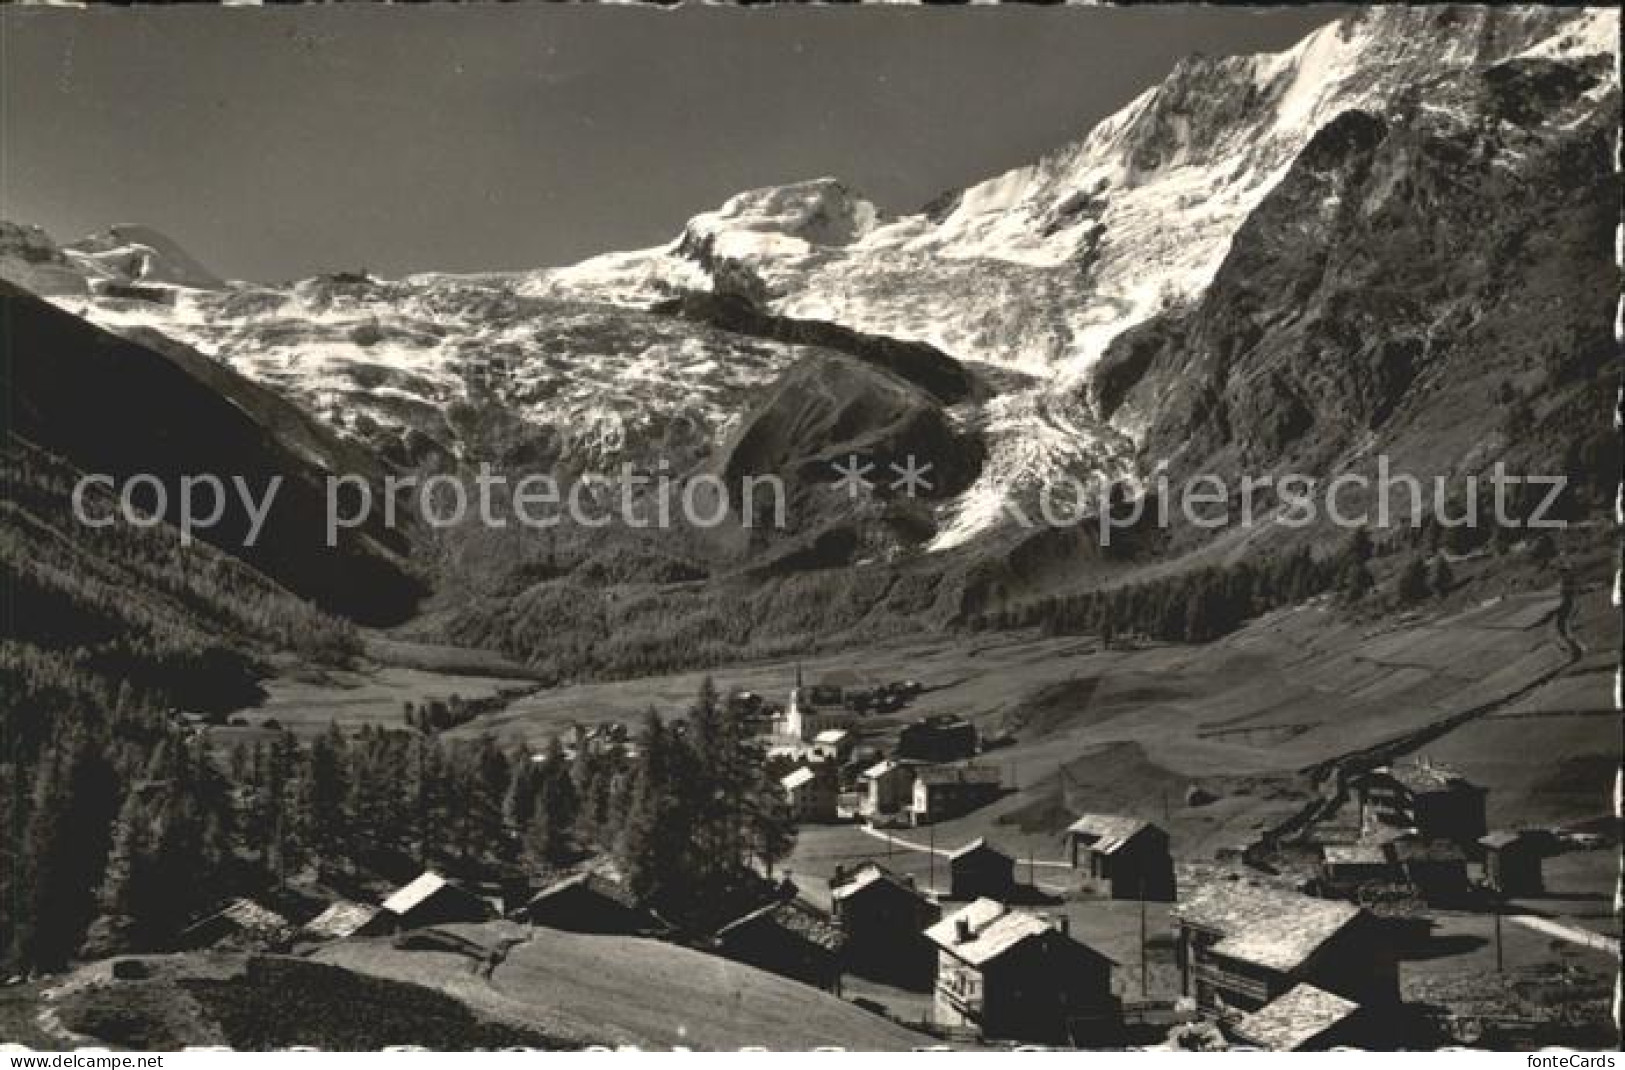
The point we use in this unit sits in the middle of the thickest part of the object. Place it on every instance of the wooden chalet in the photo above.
(1124, 857)
(944, 792)
(979, 869)
(1013, 975)
(791, 938)
(884, 918)
(813, 793)
(1512, 863)
(589, 902)
(431, 899)
(241, 923)
(1434, 800)
(1241, 945)
(939, 738)
(887, 786)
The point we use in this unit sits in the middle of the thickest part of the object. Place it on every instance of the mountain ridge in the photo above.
(1048, 300)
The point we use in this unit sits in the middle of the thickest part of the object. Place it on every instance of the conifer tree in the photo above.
(1442, 581)
(1413, 582)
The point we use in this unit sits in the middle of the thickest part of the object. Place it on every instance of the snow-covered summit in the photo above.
(1034, 272)
(138, 254)
(1040, 267)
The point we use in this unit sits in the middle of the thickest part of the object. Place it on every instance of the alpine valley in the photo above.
(1391, 247)
(1266, 263)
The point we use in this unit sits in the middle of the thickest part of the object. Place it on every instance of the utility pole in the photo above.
(931, 855)
(1145, 954)
(1500, 963)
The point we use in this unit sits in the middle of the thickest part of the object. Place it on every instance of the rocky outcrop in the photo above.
(1407, 263)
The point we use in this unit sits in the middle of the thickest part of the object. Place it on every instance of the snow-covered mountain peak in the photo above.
(822, 211)
(1040, 267)
(133, 254)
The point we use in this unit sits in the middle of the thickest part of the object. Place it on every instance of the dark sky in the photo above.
(275, 143)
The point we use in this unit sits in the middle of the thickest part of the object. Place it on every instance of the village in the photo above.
(1112, 940)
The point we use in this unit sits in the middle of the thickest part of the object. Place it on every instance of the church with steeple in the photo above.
(804, 719)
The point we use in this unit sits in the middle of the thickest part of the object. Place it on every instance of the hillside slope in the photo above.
(626, 990)
(110, 406)
(1418, 283)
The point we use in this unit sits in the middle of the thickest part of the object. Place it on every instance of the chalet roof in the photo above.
(977, 846)
(959, 774)
(410, 896)
(880, 769)
(867, 876)
(832, 735)
(794, 916)
(798, 777)
(1411, 849)
(887, 767)
(588, 881)
(1425, 777)
(1108, 832)
(941, 722)
(1264, 925)
(1354, 854)
(1299, 1016)
(994, 930)
(247, 915)
(1389, 834)
(343, 918)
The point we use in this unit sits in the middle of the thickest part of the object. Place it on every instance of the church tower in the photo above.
(795, 715)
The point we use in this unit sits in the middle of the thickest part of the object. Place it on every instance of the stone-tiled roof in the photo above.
(597, 883)
(1425, 777)
(960, 774)
(793, 916)
(247, 916)
(1410, 849)
(1296, 1018)
(1262, 924)
(342, 919)
(1354, 854)
(1108, 833)
(993, 929)
(868, 875)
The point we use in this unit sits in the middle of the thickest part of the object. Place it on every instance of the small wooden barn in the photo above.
(431, 899)
(589, 903)
(980, 869)
(791, 938)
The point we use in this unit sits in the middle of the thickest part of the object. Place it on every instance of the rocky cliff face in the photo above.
(1416, 272)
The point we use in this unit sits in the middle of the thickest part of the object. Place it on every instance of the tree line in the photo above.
(129, 828)
(1191, 607)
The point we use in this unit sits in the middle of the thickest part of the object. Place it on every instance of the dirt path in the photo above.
(943, 852)
(1571, 933)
